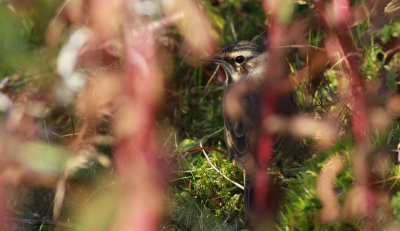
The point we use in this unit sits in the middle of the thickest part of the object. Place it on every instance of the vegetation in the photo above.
(67, 122)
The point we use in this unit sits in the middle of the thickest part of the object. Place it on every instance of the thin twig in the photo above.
(390, 54)
(61, 8)
(302, 46)
(212, 77)
(342, 60)
(46, 131)
(233, 31)
(195, 170)
(212, 165)
(386, 180)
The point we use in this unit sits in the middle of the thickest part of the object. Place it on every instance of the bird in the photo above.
(245, 66)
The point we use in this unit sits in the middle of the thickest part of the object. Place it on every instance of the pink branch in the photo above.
(136, 149)
(270, 97)
(339, 33)
(339, 40)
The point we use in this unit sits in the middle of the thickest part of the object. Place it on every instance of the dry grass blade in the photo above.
(211, 78)
(212, 165)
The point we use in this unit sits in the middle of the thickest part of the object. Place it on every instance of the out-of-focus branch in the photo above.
(326, 190)
(339, 41)
(134, 126)
(390, 54)
(268, 106)
(318, 61)
(193, 24)
(164, 22)
(339, 38)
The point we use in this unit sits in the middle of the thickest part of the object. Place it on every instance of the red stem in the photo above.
(339, 35)
(359, 118)
(136, 149)
(268, 109)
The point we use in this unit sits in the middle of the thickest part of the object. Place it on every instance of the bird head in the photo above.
(243, 59)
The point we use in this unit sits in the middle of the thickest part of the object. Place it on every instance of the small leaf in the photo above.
(43, 157)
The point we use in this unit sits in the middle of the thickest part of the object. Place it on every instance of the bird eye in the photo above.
(239, 59)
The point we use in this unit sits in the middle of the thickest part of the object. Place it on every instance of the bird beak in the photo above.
(211, 59)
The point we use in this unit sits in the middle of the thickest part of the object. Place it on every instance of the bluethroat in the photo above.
(245, 67)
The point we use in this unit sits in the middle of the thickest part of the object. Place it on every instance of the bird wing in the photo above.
(236, 138)
(241, 128)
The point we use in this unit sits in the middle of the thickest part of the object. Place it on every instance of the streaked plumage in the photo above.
(244, 64)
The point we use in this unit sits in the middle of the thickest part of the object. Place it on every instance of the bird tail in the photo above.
(248, 195)
(271, 208)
